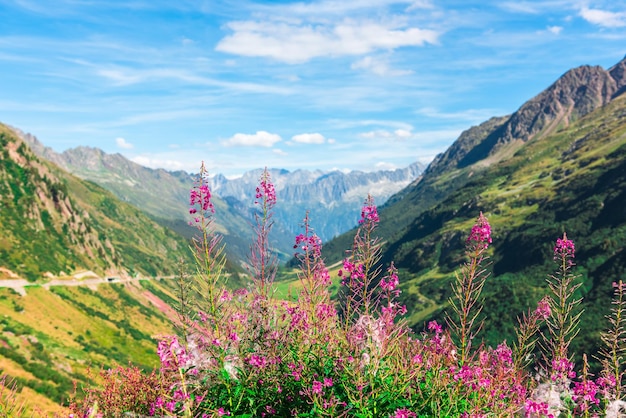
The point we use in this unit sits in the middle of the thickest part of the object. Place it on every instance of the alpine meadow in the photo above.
(488, 283)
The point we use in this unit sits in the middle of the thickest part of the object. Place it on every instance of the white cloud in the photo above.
(604, 18)
(397, 135)
(331, 140)
(314, 138)
(122, 143)
(555, 29)
(382, 165)
(520, 7)
(469, 115)
(377, 66)
(402, 133)
(291, 43)
(259, 139)
(158, 163)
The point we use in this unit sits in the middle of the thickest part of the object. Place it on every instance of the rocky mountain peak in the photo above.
(576, 93)
(618, 73)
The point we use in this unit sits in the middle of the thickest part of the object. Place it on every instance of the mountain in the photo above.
(162, 194)
(53, 222)
(557, 164)
(333, 199)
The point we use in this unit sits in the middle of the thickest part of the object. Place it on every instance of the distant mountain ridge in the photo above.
(333, 199)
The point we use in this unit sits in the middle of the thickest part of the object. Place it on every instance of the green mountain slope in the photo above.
(162, 194)
(557, 164)
(575, 94)
(574, 181)
(54, 222)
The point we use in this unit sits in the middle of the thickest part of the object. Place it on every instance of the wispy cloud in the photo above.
(168, 164)
(604, 18)
(298, 43)
(258, 139)
(313, 138)
(556, 30)
(128, 76)
(381, 134)
(378, 66)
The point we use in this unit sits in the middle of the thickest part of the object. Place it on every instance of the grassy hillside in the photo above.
(573, 181)
(54, 222)
(53, 337)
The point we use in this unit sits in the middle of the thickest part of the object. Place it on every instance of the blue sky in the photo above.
(347, 84)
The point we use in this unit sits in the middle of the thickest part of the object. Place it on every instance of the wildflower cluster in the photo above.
(564, 249)
(242, 352)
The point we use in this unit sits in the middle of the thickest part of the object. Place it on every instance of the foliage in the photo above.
(243, 353)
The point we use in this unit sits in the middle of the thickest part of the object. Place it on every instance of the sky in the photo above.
(328, 84)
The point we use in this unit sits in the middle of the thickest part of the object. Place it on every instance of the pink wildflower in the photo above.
(585, 394)
(537, 409)
(171, 353)
(311, 243)
(481, 232)
(369, 212)
(404, 413)
(317, 387)
(258, 361)
(202, 196)
(562, 369)
(434, 326)
(564, 249)
(543, 309)
(266, 191)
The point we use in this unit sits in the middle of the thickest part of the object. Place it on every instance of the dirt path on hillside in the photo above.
(20, 285)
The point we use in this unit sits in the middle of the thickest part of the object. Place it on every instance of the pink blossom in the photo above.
(538, 409)
(585, 394)
(564, 249)
(221, 412)
(266, 191)
(504, 354)
(481, 232)
(317, 387)
(311, 244)
(328, 382)
(369, 212)
(434, 326)
(258, 361)
(404, 413)
(562, 369)
(202, 196)
(171, 353)
(543, 310)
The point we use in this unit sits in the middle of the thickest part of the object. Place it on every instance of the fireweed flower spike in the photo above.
(262, 257)
(361, 267)
(563, 323)
(481, 232)
(468, 287)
